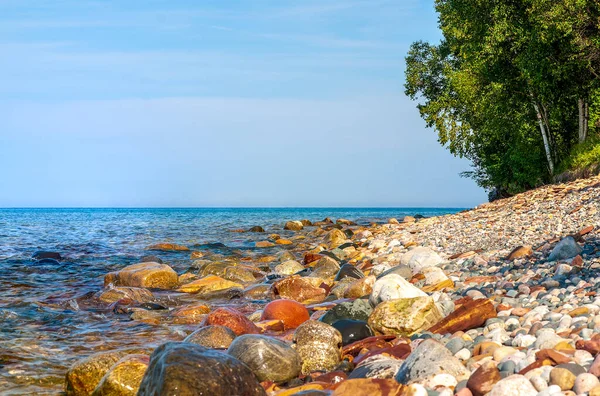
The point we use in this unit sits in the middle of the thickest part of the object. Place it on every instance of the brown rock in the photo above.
(483, 379)
(264, 244)
(208, 284)
(360, 287)
(191, 313)
(124, 377)
(520, 252)
(311, 258)
(302, 289)
(468, 316)
(196, 255)
(293, 226)
(150, 275)
(290, 312)
(334, 238)
(168, 247)
(231, 318)
(283, 241)
(368, 387)
(115, 294)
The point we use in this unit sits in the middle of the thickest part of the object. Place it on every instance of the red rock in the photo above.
(233, 319)
(468, 316)
(556, 357)
(290, 312)
(368, 387)
(333, 377)
(481, 279)
(483, 379)
(585, 230)
(592, 346)
(520, 311)
(577, 261)
(400, 351)
(311, 258)
(595, 367)
(464, 392)
(520, 252)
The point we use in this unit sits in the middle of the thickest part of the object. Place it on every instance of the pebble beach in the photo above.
(496, 300)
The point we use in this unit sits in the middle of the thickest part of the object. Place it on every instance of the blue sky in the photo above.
(217, 103)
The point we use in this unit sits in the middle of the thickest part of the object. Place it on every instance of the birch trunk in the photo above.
(581, 109)
(545, 138)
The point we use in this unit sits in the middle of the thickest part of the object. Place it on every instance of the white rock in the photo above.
(585, 382)
(514, 385)
(392, 287)
(421, 257)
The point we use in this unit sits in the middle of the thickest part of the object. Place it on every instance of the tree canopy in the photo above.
(513, 85)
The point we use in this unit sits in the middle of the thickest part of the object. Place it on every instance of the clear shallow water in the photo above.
(46, 319)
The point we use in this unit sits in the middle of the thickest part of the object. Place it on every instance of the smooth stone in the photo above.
(168, 247)
(208, 284)
(368, 386)
(256, 229)
(378, 366)
(41, 255)
(124, 377)
(565, 249)
(455, 345)
(392, 287)
(352, 330)
(114, 294)
(358, 309)
(335, 238)
(231, 318)
(402, 270)
(348, 271)
(216, 337)
(289, 267)
(181, 368)
(514, 385)
(293, 226)
(563, 378)
(85, 374)
(483, 379)
(302, 289)
(405, 316)
(419, 258)
(269, 358)
(290, 312)
(148, 275)
(429, 359)
(585, 382)
(319, 346)
(325, 268)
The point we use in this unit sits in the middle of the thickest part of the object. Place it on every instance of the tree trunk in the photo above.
(581, 109)
(586, 120)
(545, 138)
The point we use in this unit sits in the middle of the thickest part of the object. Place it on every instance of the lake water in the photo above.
(46, 320)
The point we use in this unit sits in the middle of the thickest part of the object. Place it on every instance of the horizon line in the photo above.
(235, 207)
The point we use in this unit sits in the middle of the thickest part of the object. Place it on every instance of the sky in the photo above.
(144, 103)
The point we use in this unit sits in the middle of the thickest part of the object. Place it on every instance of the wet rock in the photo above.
(259, 291)
(468, 316)
(405, 316)
(319, 346)
(188, 369)
(208, 284)
(483, 379)
(190, 314)
(41, 255)
(393, 287)
(214, 336)
(293, 226)
(151, 259)
(514, 385)
(429, 359)
(264, 244)
(124, 377)
(357, 310)
(149, 275)
(233, 319)
(256, 229)
(291, 313)
(302, 289)
(352, 330)
(348, 271)
(269, 358)
(85, 374)
(289, 267)
(168, 247)
(567, 248)
(114, 294)
(239, 275)
(419, 258)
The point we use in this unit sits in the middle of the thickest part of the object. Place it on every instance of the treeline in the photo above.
(513, 86)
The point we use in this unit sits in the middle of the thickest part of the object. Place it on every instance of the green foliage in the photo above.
(583, 156)
(502, 67)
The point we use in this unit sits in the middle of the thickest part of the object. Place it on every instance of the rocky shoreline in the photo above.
(497, 300)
